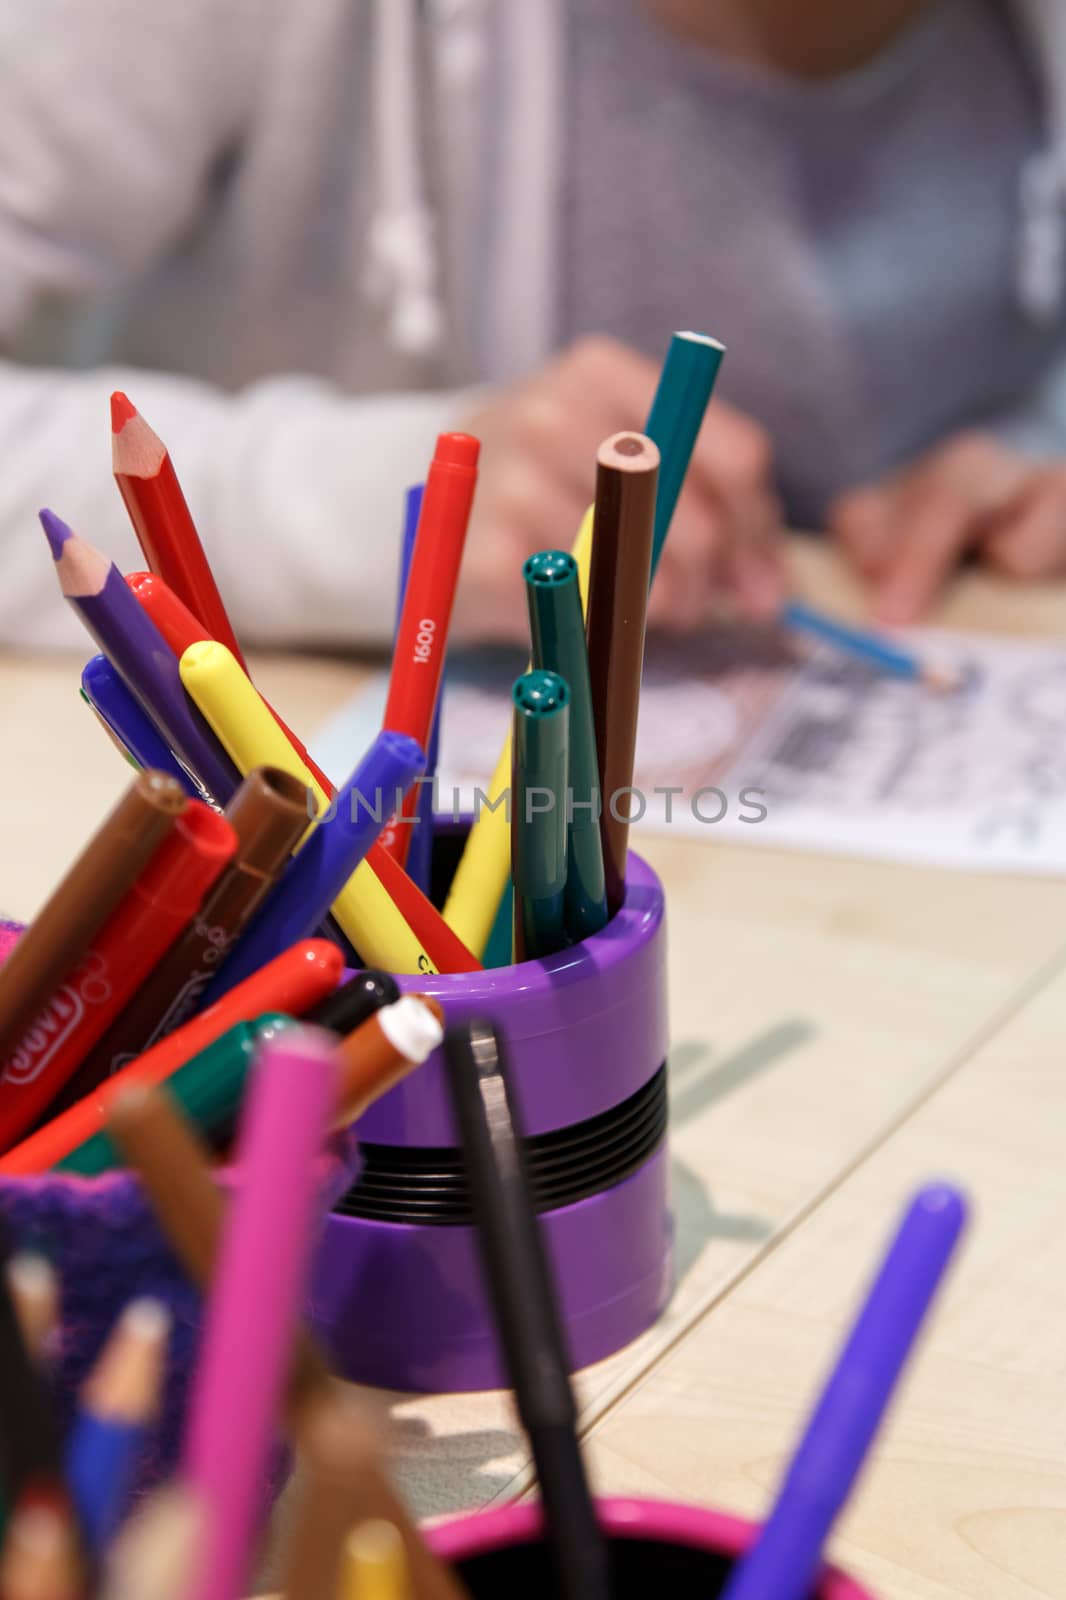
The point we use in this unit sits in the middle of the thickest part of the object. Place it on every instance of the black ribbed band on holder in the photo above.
(427, 1187)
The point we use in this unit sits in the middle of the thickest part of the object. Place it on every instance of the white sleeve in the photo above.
(112, 115)
(297, 492)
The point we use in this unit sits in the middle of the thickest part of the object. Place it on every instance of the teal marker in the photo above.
(558, 630)
(539, 776)
(685, 386)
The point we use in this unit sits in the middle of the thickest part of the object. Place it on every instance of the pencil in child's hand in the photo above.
(866, 645)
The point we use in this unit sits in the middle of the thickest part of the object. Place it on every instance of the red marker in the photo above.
(181, 629)
(149, 918)
(422, 633)
(292, 983)
(161, 518)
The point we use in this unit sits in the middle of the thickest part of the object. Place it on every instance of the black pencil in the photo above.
(30, 1449)
(523, 1295)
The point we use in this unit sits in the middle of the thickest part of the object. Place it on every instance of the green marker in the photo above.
(209, 1089)
(558, 630)
(539, 775)
(685, 385)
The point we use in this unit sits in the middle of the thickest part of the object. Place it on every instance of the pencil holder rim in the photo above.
(476, 1533)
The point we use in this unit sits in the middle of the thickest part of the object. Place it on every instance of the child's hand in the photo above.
(907, 534)
(538, 472)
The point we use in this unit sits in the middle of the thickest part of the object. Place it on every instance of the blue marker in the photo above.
(317, 874)
(131, 725)
(784, 1561)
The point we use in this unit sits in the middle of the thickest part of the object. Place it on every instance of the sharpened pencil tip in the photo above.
(56, 531)
(122, 410)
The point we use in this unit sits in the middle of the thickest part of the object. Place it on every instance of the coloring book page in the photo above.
(745, 736)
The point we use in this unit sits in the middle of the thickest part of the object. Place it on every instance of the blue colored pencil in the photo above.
(865, 645)
(117, 1410)
(783, 1563)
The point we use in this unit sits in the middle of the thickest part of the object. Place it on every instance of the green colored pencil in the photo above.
(685, 384)
(558, 629)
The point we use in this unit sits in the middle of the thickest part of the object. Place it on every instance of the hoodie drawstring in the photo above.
(402, 269)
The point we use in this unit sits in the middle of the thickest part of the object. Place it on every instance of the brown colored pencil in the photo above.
(268, 813)
(344, 1483)
(175, 1169)
(385, 1049)
(92, 889)
(627, 475)
(41, 1558)
(126, 1383)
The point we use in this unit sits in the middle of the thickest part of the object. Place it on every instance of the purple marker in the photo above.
(318, 873)
(140, 655)
(783, 1562)
(420, 851)
(130, 724)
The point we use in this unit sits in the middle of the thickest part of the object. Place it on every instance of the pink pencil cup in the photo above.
(657, 1548)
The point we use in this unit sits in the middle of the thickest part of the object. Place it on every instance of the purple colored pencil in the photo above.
(784, 1561)
(140, 655)
(257, 1295)
(420, 852)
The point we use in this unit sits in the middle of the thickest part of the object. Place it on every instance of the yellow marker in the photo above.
(247, 731)
(375, 1564)
(481, 877)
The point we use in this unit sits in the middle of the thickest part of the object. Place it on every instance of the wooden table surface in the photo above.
(824, 1013)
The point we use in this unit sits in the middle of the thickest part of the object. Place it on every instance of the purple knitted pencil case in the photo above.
(104, 1242)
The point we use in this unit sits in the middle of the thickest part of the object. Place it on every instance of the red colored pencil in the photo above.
(444, 948)
(161, 518)
(149, 918)
(422, 632)
(292, 983)
(181, 629)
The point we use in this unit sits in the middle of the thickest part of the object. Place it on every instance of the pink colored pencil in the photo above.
(256, 1298)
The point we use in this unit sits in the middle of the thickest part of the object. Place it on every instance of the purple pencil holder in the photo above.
(655, 1548)
(398, 1294)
